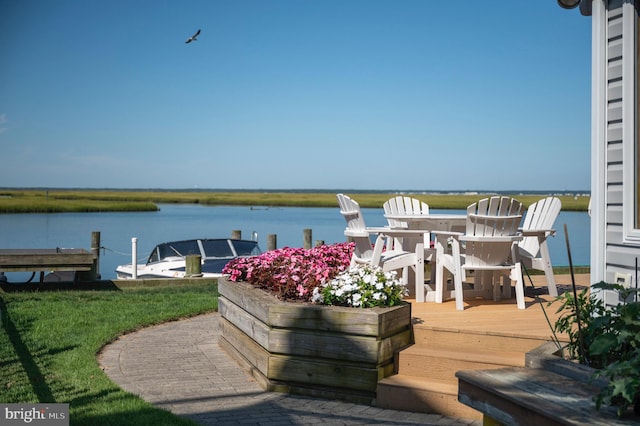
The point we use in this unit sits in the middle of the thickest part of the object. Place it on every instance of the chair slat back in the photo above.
(492, 226)
(494, 216)
(391, 207)
(404, 205)
(350, 210)
(356, 229)
(540, 215)
(416, 206)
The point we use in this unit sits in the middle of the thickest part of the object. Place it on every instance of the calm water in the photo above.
(176, 222)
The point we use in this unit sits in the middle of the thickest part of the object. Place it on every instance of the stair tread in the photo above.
(471, 339)
(433, 385)
(507, 358)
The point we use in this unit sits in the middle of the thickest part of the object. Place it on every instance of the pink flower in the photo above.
(292, 273)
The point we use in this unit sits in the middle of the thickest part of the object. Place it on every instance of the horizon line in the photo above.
(310, 190)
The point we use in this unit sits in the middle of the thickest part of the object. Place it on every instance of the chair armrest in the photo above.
(448, 233)
(489, 239)
(397, 232)
(535, 232)
(366, 231)
(358, 233)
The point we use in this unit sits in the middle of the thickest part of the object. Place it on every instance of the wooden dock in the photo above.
(63, 260)
(59, 259)
(46, 260)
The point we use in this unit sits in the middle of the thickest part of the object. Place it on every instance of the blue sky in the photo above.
(295, 94)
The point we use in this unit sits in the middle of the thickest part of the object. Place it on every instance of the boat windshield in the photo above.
(213, 249)
(246, 248)
(176, 248)
(217, 248)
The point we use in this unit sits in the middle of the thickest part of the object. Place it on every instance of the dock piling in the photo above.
(134, 258)
(193, 265)
(95, 250)
(272, 242)
(306, 238)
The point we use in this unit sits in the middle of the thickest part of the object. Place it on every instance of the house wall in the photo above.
(616, 239)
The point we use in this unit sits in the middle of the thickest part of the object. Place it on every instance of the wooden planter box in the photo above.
(329, 351)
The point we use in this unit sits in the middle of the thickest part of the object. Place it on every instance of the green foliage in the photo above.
(608, 340)
(586, 308)
(63, 202)
(50, 339)
(617, 349)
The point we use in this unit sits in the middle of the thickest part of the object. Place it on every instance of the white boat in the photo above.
(167, 260)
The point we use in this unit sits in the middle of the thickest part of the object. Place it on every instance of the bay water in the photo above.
(186, 221)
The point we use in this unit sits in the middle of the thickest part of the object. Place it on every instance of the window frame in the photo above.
(630, 134)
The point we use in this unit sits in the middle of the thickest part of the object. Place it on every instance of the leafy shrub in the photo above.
(608, 340)
(585, 308)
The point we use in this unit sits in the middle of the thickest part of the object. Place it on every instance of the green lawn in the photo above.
(50, 340)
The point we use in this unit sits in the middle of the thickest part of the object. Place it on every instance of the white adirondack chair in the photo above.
(487, 247)
(400, 205)
(405, 205)
(537, 226)
(365, 253)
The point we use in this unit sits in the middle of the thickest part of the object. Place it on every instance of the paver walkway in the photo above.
(179, 366)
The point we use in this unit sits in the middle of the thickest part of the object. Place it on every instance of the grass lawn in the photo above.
(50, 340)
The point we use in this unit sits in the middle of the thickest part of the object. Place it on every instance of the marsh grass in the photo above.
(50, 341)
(49, 201)
(42, 202)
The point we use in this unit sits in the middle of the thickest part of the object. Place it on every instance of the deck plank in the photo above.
(497, 318)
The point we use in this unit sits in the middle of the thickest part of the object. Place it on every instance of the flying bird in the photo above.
(193, 37)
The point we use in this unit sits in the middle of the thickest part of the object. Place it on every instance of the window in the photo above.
(637, 118)
(630, 123)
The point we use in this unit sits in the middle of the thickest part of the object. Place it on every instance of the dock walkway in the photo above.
(46, 260)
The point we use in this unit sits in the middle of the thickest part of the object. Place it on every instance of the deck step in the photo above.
(408, 393)
(540, 396)
(441, 363)
(466, 339)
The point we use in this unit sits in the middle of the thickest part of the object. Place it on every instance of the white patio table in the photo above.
(423, 225)
(432, 222)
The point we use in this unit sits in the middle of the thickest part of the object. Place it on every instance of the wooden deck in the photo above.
(503, 317)
(485, 335)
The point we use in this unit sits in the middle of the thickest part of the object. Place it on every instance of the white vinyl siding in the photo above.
(622, 238)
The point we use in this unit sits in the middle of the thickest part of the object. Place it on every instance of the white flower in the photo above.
(316, 296)
(364, 286)
(356, 300)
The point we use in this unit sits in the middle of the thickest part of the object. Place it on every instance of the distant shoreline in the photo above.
(425, 192)
(95, 200)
